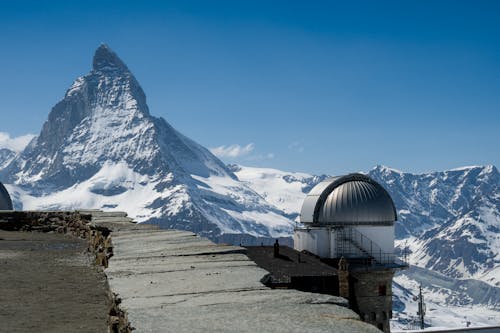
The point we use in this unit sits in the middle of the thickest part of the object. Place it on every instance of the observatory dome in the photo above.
(354, 199)
(5, 202)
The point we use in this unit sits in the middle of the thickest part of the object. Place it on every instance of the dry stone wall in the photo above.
(77, 224)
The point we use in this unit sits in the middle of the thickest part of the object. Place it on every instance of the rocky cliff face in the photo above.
(6, 156)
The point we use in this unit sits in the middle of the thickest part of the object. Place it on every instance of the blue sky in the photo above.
(314, 86)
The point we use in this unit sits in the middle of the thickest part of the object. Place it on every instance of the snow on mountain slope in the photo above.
(451, 217)
(258, 210)
(285, 190)
(113, 187)
(450, 223)
(101, 148)
(6, 156)
(449, 302)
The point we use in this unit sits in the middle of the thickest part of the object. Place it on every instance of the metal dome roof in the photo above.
(5, 202)
(350, 199)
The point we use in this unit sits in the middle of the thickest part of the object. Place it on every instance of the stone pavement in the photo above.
(175, 281)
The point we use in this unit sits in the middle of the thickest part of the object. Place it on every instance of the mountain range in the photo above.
(101, 148)
(447, 226)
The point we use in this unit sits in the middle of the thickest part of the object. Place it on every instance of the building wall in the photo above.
(322, 241)
(370, 295)
(381, 235)
(370, 291)
(317, 241)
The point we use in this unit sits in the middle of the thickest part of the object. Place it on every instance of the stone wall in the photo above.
(77, 224)
(370, 295)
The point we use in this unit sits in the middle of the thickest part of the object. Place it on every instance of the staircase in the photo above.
(350, 243)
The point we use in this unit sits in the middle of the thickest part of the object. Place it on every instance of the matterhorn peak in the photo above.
(106, 59)
(101, 144)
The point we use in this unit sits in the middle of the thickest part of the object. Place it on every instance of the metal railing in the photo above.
(353, 244)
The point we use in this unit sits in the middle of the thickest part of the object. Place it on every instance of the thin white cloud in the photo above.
(296, 146)
(16, 144)
(232, 151)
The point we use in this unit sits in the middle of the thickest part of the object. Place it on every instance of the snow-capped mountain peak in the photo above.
(103, 116)
(101, 148)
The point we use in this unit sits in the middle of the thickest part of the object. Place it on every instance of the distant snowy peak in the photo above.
(104, 117)
(386, 170)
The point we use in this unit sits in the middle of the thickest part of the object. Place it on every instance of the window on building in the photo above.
(373, 316)
(384, 315)
(382, 290)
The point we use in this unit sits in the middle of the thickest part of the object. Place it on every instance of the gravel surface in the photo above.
(48, 283)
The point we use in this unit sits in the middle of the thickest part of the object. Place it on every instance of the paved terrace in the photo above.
(175, 281)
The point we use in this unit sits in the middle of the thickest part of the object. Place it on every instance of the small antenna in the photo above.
(421, 308)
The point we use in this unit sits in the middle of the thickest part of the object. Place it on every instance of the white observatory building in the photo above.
(348, 222)
(350, 216)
